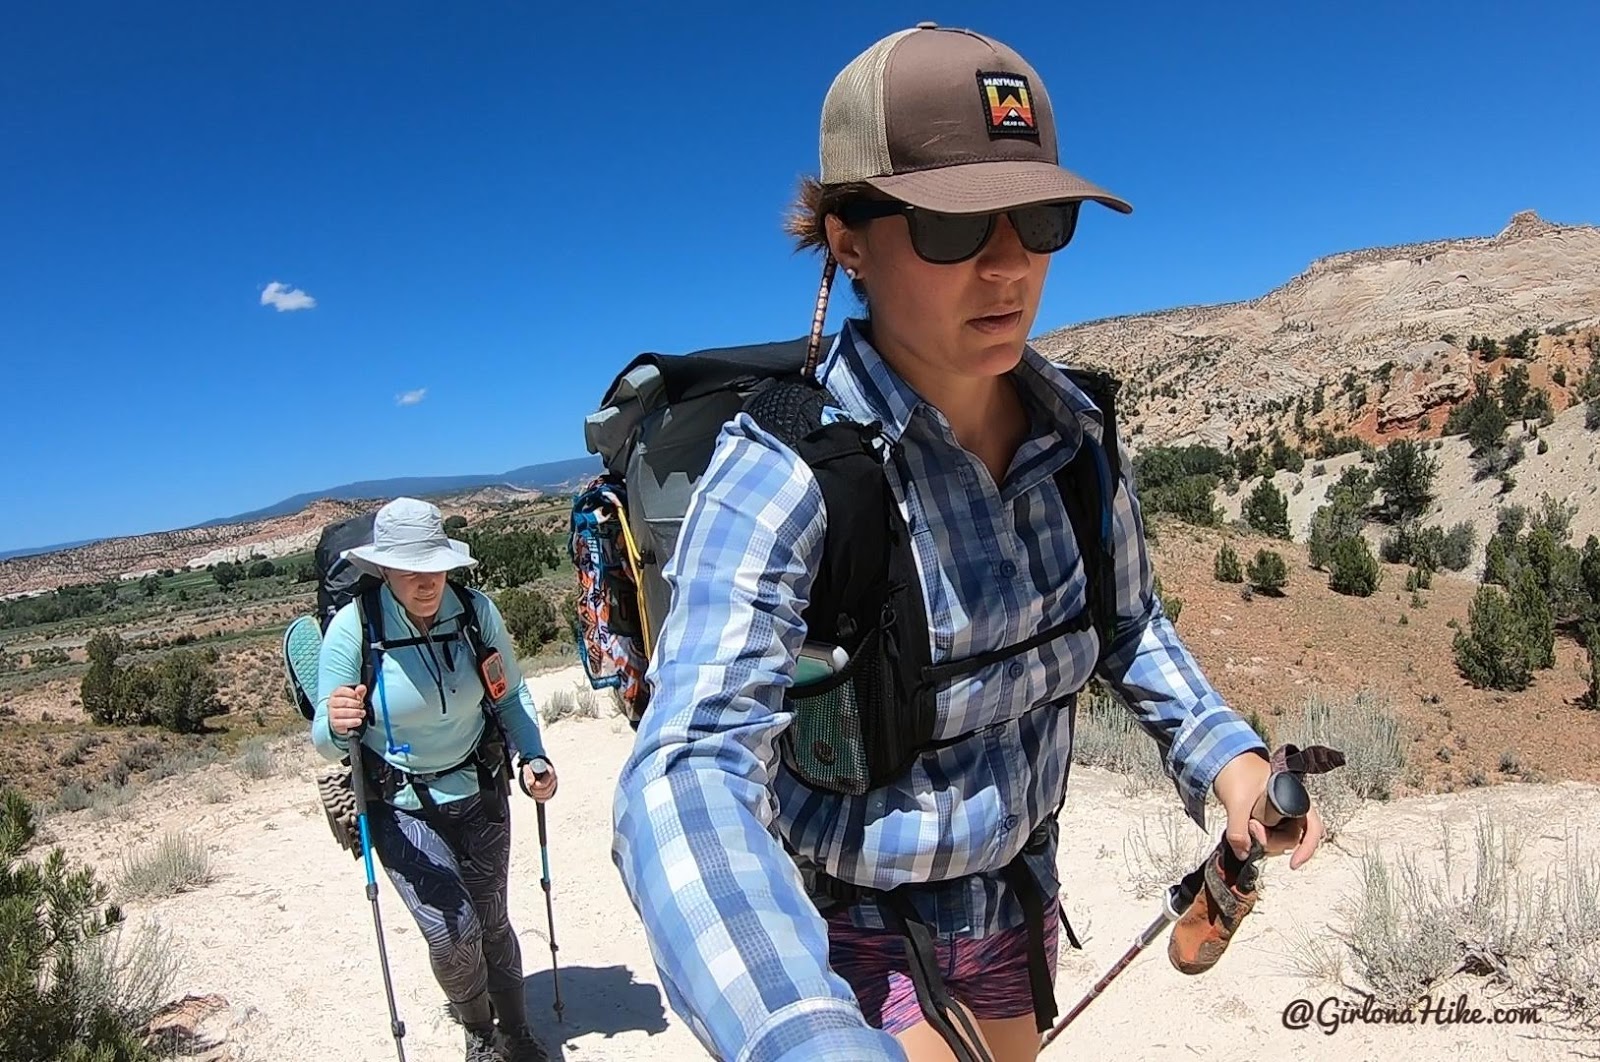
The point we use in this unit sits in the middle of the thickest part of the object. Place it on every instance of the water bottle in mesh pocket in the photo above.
(842, 722)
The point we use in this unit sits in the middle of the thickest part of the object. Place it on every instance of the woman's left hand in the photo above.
(539, 786)
(1239, 786)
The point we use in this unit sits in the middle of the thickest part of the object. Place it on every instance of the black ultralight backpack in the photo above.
(656, 428)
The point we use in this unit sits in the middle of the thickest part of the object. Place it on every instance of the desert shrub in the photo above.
(1339, 519)
(572, 704)
(1593, 695)
(1406, 473)
(530, 617)
(510, 558)
(1408, 930)
(1538, 407)
(1267, 510)
(1267, 572)
(1182, 480)
(1367, 731)
(1492, 653)
(70, 992)
(1171, 604)
(179, 692)
(1353, 568)
(1225, 567)
(1106, 735)
(256, 760)
(1456, 552)
(176, 863)
(1154, 863)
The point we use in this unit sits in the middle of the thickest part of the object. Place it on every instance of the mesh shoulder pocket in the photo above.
(838, 720)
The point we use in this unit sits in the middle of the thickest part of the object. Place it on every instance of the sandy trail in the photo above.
(285, 934)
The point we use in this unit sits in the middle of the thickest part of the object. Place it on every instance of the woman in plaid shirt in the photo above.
(942, 198)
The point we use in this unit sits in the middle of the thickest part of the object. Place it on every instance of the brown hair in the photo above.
(813, 202)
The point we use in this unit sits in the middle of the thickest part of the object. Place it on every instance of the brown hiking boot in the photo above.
(1202, 933)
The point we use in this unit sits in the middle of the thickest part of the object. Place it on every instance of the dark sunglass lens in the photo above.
(946, 238)
(1047, 228)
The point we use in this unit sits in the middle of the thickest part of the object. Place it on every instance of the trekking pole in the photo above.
(358, 786)
(1174, 903)
(1285, 798)
(549, 910)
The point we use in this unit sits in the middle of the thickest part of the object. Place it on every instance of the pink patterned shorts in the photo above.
(989, 976)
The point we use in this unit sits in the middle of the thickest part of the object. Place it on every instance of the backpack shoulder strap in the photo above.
(1088, 485)
(474, 634)
(1102, 388)
(847, 592)
(868, 580)
(369, 607)
(469, 620)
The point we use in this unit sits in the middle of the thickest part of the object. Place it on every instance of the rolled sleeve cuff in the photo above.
(1205, 746)
(820, 1030)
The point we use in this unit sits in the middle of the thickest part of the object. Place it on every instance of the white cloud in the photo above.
(286, 298)
(410, 398)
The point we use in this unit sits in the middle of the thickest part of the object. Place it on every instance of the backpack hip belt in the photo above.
(491, 757)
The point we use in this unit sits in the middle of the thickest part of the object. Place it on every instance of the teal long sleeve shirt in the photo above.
(426, 697)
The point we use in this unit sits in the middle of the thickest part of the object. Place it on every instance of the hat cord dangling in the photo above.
(814, 344)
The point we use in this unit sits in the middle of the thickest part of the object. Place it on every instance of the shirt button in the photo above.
(1010, 823)
(1008, 570)
(1015, 670)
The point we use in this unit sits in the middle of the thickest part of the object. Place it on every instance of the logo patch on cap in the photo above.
(1008, 105)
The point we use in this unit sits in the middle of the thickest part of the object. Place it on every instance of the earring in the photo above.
(851, 273)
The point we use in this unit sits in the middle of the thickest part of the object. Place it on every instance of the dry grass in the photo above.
(256, 760)
(127, 974)
(177, 863)
(1539, 938)
(1315, 958)
(1367, 731)
(1155, 863)
(571, 704)
(112, 802)
(1106, 735)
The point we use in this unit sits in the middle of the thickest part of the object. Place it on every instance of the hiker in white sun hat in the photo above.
(408, 536)
(447, 711)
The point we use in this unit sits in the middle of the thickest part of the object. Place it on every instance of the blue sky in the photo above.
(494, 208)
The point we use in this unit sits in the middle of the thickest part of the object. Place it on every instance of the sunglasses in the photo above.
(945, 239)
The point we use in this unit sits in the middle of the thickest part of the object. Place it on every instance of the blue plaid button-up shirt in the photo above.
(703, 799)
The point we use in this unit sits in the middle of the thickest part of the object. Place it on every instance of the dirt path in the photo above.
(284, 933)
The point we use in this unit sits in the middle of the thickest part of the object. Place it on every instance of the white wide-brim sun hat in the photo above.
(408, 535)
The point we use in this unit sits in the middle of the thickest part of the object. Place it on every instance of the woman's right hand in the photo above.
(347, 709)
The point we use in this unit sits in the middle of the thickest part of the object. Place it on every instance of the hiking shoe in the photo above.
(481, 1048)
(520, 1045)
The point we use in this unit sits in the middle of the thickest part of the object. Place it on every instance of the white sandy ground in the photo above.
(284, 932)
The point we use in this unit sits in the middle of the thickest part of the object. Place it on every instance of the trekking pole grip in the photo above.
(1284, 799)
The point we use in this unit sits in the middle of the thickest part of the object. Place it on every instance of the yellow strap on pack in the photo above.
(635, 562)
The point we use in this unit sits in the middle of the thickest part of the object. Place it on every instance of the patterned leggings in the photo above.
(449, 865)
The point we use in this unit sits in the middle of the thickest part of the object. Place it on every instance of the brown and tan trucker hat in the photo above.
(947, 120)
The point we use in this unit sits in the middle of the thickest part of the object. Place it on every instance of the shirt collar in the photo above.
(854, 367)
